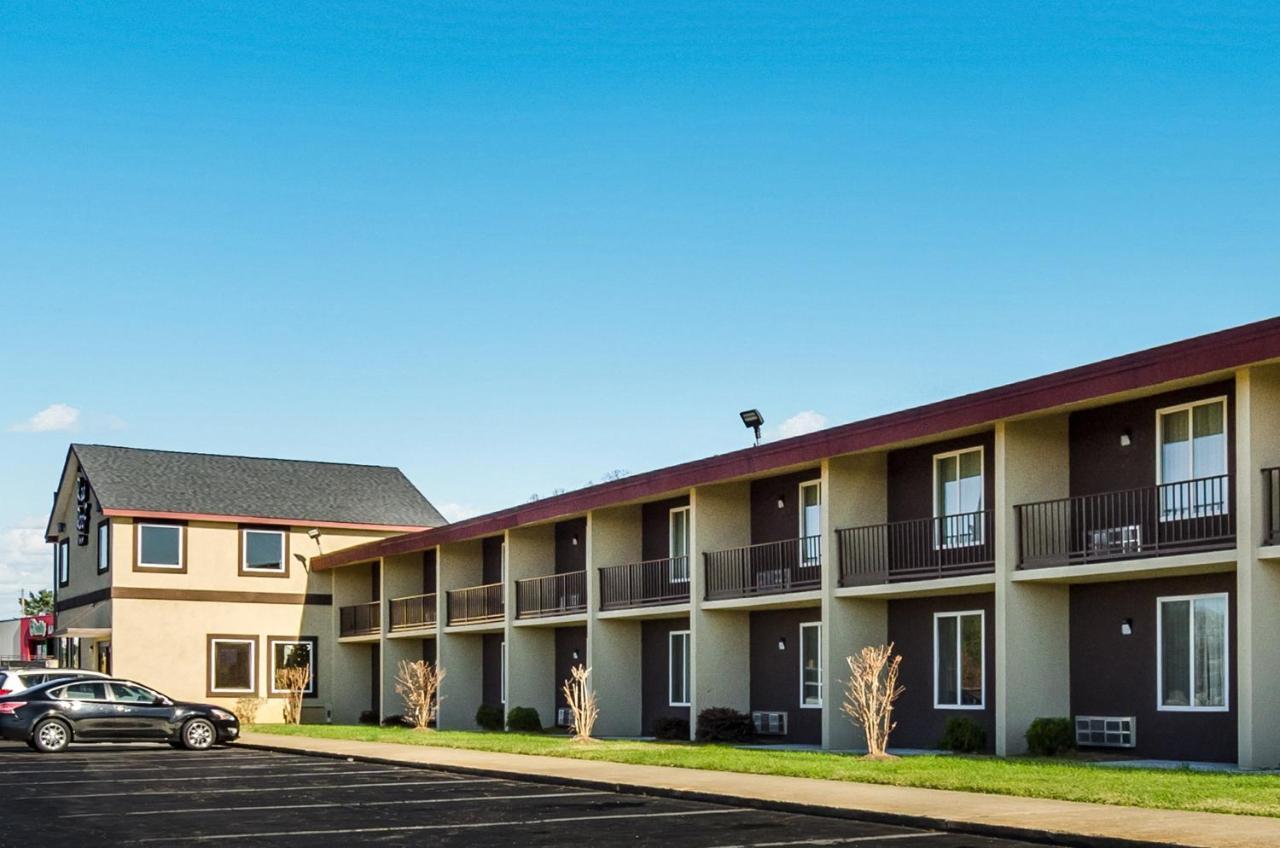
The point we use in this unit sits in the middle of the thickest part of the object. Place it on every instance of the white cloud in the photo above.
(25, 563)
(58, 416)
(456, 512)
(801, 423)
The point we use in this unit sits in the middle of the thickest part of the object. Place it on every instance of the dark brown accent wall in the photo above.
(768, 523)
(775, 674)
(910, 475)
(491, 560)
(491, 673)
(429, 650)
(428, 571)
(568, 640)
(655, 527)
(571, 557)
(654, 645)
(143, 593)
(375, 582)
(1115, 675)
(375, 680)
(1098, 461)
(920, 725)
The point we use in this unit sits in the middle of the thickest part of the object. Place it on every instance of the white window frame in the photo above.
(502, 672)
(213, 667)
(62, 561)
(244, 552)
(804, 705)
(182, 530)
(1190, 508)
(982, 658)
(104, 547)
(686, 656)
(675, 576)
(314, 644)
(1191, 666)
(940, 541)
(804, 536)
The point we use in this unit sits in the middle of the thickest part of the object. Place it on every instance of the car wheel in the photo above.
(51, 736)
(199, 734)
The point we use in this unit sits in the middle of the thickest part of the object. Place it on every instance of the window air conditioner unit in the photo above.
(1106, 731)
(772, 578)
(769, 723)
(1115, 540)
(564, 717)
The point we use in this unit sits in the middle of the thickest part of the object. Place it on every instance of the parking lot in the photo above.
(149, 795)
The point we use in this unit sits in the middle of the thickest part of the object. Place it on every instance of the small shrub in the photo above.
(671, 727)
(963, 735)
(489, 717)
(246, 710)
(524, 720)
(1048, 737)
(724, 724)
(397, 721)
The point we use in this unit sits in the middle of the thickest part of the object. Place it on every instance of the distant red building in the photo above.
(25, 639)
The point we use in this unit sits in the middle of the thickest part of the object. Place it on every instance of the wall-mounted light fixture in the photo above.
(782, 502)
(575, 654)
(574, 540)
(782, 643)
(1126, 438)
(1126, 627)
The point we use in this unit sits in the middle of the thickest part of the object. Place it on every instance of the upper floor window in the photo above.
(1191, 465)
(62, 561)
(104, 546)
(957, 500)
(678, 548)
(958, 660)
(811, 521)
(263, 552)
(1193, 658)
(160, 546)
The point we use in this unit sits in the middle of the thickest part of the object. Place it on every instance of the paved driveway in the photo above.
(147, 795)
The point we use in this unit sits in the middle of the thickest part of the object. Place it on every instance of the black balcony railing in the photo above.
(1193, 515)
(413, 611)
(649, 583)
(788, 566)
(475, 605)
(553, 594)
(1271, 503)
(922, 549)
(360, 619)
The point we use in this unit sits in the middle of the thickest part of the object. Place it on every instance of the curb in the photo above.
(956, 826)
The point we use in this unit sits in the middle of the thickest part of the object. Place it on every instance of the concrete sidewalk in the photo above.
(1064, 822)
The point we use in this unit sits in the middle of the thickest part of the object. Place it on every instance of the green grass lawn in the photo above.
(1068, 780)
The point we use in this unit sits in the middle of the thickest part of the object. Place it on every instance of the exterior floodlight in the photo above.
(753, 419)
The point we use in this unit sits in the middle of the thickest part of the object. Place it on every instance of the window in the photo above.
(62, 561)
(678, 668)
(293, 653)
(262, 552)
(104, 546)
(958, 660)
(811, 665)
(678, 544)
(1192, 460)
(1193, 660)
(82, 691)
(957, 498)
(131, 694)
(233, 665)
(160, 546)
(811, 522)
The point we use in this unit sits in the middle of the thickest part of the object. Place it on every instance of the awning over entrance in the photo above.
(83, 632)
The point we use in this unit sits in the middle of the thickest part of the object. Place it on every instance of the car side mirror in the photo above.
(159, 702)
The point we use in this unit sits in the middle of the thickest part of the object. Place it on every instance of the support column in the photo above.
(854, 494)
(401, 576)
(1257, 580)
(1032, 463)
(613, 645)
(351, 660)
(721, 655)
(461, 655)
(531, 651)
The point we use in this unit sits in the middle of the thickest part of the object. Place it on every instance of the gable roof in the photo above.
(133, 481)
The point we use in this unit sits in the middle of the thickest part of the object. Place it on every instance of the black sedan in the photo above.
(51, 716)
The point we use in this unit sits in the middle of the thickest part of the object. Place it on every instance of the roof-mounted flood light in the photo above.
(754, 420)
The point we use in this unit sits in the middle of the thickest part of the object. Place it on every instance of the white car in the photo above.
(16, 679)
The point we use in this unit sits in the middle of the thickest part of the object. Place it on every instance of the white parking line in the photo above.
(347, 804)
(261, 789)
(325, 773)
(838, 840)
(219, 837)
(256, 765)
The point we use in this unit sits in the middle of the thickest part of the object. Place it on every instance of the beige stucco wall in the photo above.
(459, 654)
(531, 651)
(721, 655)
(613, 646)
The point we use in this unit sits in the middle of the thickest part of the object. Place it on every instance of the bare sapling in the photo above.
(293, 681)
(246, 710)
(870, 693)
(418, 684)
(582, 703)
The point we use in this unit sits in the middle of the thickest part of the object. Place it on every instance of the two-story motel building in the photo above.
(1101, 543)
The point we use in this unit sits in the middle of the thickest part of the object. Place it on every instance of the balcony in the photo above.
(413, 612)
(921, 549)
(554, 594)
(1271, 503)
(360, 619)
(645, 584)
(793, 565)
(475, 605)
(1174, 518)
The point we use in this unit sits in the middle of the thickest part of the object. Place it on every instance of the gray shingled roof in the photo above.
(209, 484)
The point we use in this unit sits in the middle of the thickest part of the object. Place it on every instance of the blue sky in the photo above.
(511, 247)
